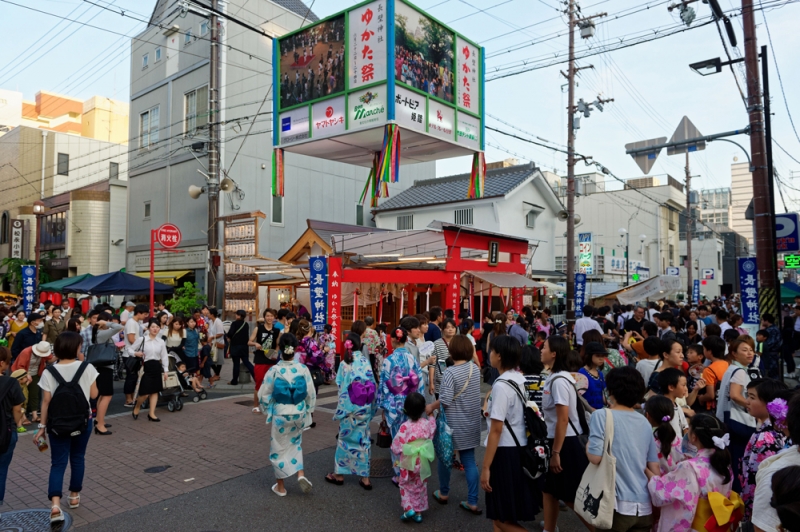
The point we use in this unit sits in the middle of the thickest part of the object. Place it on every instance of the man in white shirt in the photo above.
(722, 321)
(586, 323)
(133, 334)
(216, 332)
(127, 313)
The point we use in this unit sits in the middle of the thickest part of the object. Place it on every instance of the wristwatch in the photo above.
(40, 426)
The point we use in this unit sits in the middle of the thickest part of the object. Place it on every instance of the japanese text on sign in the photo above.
(791, 262)
(335, 298)
(467, 77)
(28, 287)
(367, 42)
(748, 286)
(580, 294)
(17, 227)
(585, 254)
(318, 290)
(696, 291)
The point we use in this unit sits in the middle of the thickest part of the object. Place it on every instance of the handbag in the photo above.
(134, 363)
(384, 439)
(171, 380)
(596, 495)
(104, 354)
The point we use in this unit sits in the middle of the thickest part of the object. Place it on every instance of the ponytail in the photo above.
(660, 410)
(707, 427)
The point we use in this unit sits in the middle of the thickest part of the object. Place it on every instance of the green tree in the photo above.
(439, 41)
(14, 271)
(185, 299)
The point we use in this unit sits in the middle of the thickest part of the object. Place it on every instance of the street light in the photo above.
(38, 210)
(712, 66)
(624, 233)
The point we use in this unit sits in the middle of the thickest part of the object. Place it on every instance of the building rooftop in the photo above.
(499, 182)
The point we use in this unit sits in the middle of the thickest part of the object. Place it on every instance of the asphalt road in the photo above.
(245, 504)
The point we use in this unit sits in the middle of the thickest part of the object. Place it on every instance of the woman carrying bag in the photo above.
(613, 493)
(102, 333)
(153, 352)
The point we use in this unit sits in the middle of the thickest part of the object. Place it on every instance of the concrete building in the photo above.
(81, 181)
(714, 205)
(707, 252)
(517, 201)
(741, 194)
(98, 117)
(169, 138)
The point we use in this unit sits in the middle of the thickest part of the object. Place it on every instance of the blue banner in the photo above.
(28, 287)
(318, 290)
(696, 292)
(748, 286)
(580, 294)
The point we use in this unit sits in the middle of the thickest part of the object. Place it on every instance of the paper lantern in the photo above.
(43, 296)
(85, 305)
(56, 298)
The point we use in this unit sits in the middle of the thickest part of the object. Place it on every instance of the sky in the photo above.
(650, 82)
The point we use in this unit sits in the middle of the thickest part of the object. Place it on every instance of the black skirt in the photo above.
(105, 382)
(514, 497)
(564, 485)
(153, 378)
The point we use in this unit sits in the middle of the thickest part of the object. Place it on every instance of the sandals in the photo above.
(76, 497)
(56, 517)
(256, 410)
(278, 493)
(305, 484)
(474, 511)
(395, 482)
(367, 487)
(438, 496)
(333, 480)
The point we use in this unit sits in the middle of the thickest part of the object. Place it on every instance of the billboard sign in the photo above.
(440, 120)
(367, 108)
(16, 241)
(585, 253)
(467, 75)
(409, 109)
(294, 125)
(468, 131)
(327, 118)
(366, 44)
(748, 286)
(787, 232)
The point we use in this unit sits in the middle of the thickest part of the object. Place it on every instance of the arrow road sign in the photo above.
(646, 159)
(686, 131)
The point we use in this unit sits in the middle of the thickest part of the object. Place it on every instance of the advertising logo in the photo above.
(329, 111)
(286, 123)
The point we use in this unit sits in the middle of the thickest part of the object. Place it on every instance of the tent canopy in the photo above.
(117, 283)
(789, 291)
(58, 286)
(658, 286)
(506, 280)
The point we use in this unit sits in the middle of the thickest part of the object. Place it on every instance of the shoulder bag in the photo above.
(596, 495)
(443, 438)
(104, 354)
(134, 363)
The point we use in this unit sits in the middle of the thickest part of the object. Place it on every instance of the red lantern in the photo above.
(85, 305)
(72, 301)
(56, 298)
(42, 297)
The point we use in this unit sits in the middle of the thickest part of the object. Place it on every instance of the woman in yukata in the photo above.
(357, 392)
(287, 398)
(698, 488)
(400, 376)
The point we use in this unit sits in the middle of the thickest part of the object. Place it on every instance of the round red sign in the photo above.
(168, 235)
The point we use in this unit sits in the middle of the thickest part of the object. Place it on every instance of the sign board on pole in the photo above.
(685, 131)
(748, 286)
(28, 287)
(790, 262)
(318, 291)
(646, 160)
(168, 235)
(696, 291)
(494, 253)
(580, 294)
(673, 270)
(787, 232)
(15, 245)
(707, 273)
(585, 254)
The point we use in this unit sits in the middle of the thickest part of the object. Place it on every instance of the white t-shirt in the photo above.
(679, 421)
(585, 324)
(132, 327)
(506, 405)
(646, 367)
(68, 370)
(735, 374)
(764, 515)
(560, 392)
(125, 316)
(724, 326)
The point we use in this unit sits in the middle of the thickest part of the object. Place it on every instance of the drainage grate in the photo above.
(156, 469)
(33, 521)
(381, 468)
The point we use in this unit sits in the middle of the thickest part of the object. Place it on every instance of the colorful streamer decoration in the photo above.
(277, 172)
(388, 170)
(478, 176)
(370, 185)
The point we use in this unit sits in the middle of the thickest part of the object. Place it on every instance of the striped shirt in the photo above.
(463, 414)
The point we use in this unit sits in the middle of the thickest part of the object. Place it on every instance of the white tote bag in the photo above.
(596, 494)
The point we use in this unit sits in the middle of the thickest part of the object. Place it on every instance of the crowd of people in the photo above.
(430, 77)
(318, 65)
(706, 422)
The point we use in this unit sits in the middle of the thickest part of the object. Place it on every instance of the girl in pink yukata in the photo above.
(659, 411)
(687, 494)
(413, 445)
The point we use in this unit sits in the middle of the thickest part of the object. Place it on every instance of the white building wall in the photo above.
(706, 253)
(117, 221)
(89, 160)
(741, 194)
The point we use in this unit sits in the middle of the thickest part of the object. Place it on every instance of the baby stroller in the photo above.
(172, 387)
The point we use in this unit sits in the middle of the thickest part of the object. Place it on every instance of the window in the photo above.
(146, 210)
(277, 210)
(463, 216)
(195, 110)
(148, 128)
(158, 54)
(530, 219)
(63, 164)
(145, 60)
(187, 38)
(204, 28)
(359, 214)
(53, 229)
(671, 254)
(561, 263)
(405, 222)
(113, 170)
(5, 228)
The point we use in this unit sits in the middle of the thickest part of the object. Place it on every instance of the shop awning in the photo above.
(551, 286)
(506, 280)
(169, 277)
(57, 286)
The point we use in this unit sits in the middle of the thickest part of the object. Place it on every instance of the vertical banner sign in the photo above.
(454, 293)
(748, 286)
(367, 44)
(580, 294)
(696, 291)
(585, 254)
(467, 76)
(318, 290)
(28, 287)
(516, 299)
(15, 245)
(335, 299)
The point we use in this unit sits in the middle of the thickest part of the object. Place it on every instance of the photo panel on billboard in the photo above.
(409, 109)
(440, 120)
(312, 63)
(468, 80)
(294, 125)
(423, 53)
(327, 118)
(367, 44)
(367, 108)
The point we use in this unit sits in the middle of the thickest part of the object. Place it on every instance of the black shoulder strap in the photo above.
(505, 421)
(579, 408)
(56, 375)
(516, 389)
(79, 373)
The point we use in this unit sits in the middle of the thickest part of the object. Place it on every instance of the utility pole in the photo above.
(770, 170)
(764, 220)
(689, 221)
(213, 157)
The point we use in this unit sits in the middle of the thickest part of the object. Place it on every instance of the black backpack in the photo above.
(68, 413)
(535, 455)
(5, 428)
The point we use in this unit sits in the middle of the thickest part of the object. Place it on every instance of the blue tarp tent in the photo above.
(117, 283)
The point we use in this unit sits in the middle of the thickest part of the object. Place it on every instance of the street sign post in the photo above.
(169, 237)
(686, 131)
(673, 270)
(708, 273)
(787, 232)
(646, 158)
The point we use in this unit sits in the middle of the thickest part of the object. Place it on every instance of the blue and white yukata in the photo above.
(400, 376)
(353, 446)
